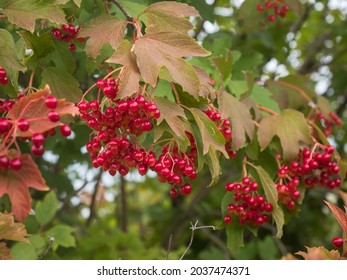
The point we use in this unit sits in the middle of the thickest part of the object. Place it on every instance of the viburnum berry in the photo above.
(5, 125)
(53, 116)
(16, 164)
(337, 242)
(227, 219)
(37, 139)
(51, 102)
(37, 151)
(4, 162)
(23, 125)
(65, 130)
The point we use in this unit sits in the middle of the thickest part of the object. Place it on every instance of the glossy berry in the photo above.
(23, 125)
(51, 102)
(65, 130)
(337, 242)
(37, 139)
(227, 219)
(4, 162)
(53, 116)
(37, 151)
(16, 164)
(5, 125)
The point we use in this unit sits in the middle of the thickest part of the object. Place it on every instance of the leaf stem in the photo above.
(174, 89)
(123, 10)
(265, 109)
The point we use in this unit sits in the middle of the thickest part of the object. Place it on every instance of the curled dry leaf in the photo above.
(320, 253)
(5, 253)
(10, 230)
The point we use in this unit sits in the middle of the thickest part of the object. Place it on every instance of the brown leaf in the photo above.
(10, 230)
(291, 128)
(102, 30)
(340, 216)
(156, 50)
(241, 119)
(5, 252)
(206, 89)
(129, 83)
(16, 185)
(320, 253)
(169, 16)
(33, 107)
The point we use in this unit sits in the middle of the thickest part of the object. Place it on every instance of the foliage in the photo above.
(164, 120)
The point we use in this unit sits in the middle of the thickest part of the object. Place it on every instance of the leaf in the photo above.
(5, 253)
(241, 119)
(291, 128)
(340, 216)
(320, 253)
(33, 107)
(272, 197)
(62, 84)
(8, 57)
(10, 230)
(21, 251)
(210, 134)
(206, 89)
(169, 16)
(156, 50)
(45, 210)
(223, 64)
(171, 113)
(102, 30)
(17, 186)
(263, 97)
(237, 87)
(324, 106)
(129, 83)
(212, 161)
(62, 235)
(24, 13)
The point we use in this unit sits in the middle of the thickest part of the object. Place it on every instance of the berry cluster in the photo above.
(326, 123)
(9, 129)
(248, 206)
(3, 77)
(224, 127)
(68, 33)
(279, 8)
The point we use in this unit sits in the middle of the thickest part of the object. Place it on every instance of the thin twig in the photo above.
(168, 247)
(124, 11)
(124, 205)
(92, 204)
(51, 241)
(194, 228)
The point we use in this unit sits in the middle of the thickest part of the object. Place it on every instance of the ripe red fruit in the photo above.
(37, 139)
(173, 193)
(23, 125)
(37, 151)
(72, 47)
(186, 189)
(83, 106)
(260, 8)
(51, 102)
(53, 116)
(16, 164)
(4, 162)
(337, 242)
(65, 130)
(272, 18)
(227, 219)
(5, 125)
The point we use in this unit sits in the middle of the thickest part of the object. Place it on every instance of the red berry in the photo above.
(5, 125)
(4, 162)
(72, 47)
(37, 139)
(51, 102)
(16, 164)
(53, 116)
(56, 33)
(83, 106)
(260, 8)
(186, 189)
(37, 151)
(272, 18)
(23, 125)
(173, 192)
(4, 81)
(65, 130)
(337, 242)
(227, 219)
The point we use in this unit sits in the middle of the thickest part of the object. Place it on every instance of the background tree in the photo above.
(229, 113)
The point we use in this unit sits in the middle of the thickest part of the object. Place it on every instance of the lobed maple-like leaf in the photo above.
(33, 106)
(167, 49)
(102, 30)
(340, 216)
(206, 89)
(129, 83)
(10, 230)
(16, 185)
(169, 16)
(5, 252)
(241, 119)
(24, 13)
(291, 128)
(320, 253)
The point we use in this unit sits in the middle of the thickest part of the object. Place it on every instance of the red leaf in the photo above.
(320, 253)
(17, 183)
(33, 109)
(340, 216)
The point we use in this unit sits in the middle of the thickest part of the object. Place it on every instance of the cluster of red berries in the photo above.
(279, 7)
(326, 123)
(224, 127)
(3, 77)
(249, 206)
(288, 194)
(9, 128)
(68, 33)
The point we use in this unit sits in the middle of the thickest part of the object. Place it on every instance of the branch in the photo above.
(124, 211)
(92, 204)
(301, 21)
(123, 10)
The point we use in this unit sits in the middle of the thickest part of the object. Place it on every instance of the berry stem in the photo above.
(267, 110)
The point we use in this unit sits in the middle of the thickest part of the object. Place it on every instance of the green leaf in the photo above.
(291, 128)
(172, 114)
(129, 84)
(267, 248)
(272, 197)
(156, 50)
(102, 30)
(241, 119)
(133, 7)
(8, 56)
(263, 97)
(21, 251)
(237, 88)
(224, 64)
(210, 134)
(62, 84)
(169, 16)
(62, 235)
(45, 210)
(41, 46)
(24, 13)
